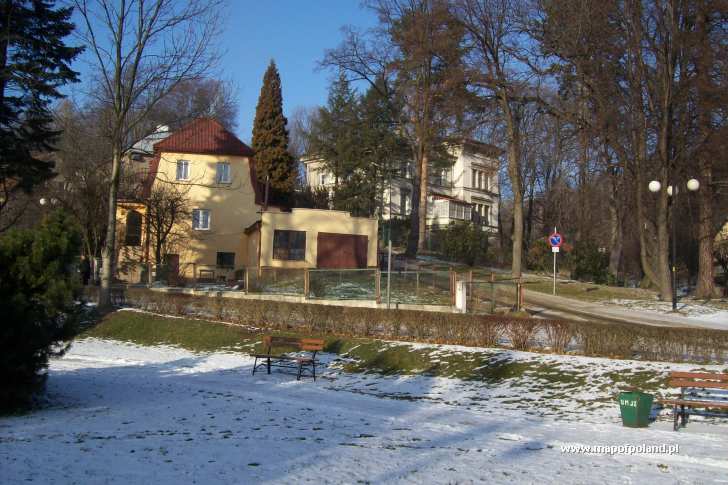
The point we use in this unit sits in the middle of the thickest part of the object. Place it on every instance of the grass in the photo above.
(590, 292)
(551, 378)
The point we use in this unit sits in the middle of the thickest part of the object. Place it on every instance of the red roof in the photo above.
(206, 136)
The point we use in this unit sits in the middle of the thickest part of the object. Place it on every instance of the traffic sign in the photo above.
(555, 239)
(554, 249)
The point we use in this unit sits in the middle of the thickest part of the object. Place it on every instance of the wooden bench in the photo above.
(300, 363)
(698, 390)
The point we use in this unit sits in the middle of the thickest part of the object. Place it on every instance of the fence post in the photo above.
(470, 289)
(417, 286)
(306, 283)
(247, 280)
(492, 293)
(521, 295)
(194, 275)
(378, 286)
(452, 287)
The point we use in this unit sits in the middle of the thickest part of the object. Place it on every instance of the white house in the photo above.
(466, 191)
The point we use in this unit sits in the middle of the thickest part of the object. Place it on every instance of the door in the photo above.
(341, 250)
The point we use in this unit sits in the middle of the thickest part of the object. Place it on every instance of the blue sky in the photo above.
(295, 34)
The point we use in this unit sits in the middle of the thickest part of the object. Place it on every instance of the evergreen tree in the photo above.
(270, 141)
(334, 132)
(38, 285)
(359, 141)
(384, 151)
(34, 64)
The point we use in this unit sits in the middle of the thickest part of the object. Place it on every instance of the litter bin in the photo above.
(635, 408)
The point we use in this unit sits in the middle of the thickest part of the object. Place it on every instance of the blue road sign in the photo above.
(555, 239)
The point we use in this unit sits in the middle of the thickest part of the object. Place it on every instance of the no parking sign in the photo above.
(556, 241)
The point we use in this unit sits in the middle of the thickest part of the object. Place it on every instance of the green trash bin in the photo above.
(635, 408)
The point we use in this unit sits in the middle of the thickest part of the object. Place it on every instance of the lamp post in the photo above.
(672, 192)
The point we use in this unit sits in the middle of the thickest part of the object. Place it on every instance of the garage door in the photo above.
(341, 251)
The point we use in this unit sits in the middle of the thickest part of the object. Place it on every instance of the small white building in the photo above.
(466, 191)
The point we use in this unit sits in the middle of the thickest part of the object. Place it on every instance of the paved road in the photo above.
(559, 307)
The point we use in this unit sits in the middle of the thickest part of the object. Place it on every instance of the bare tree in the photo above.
(494, 32)
(196, 98)
(168, 213)
(300, 126)
(141, 50)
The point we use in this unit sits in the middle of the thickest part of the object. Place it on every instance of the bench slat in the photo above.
(698, 384)
(689, 403)
(699, 375)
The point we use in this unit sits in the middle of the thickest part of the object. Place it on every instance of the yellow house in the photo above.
(202, 179)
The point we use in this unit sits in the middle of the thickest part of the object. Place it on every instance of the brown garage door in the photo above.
(341, 251)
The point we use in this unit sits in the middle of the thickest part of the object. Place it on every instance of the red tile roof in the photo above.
(206, 136)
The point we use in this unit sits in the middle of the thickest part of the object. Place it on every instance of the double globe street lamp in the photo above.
(672, 192)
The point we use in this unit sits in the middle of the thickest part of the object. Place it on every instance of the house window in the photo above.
(458, 211)
(225, 260)
(474, 179)
(133, 229)
(322, 178)
(289, 245)
(223, 173)
(201, 219)
(183, 170)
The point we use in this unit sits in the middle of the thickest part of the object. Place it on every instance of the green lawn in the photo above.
(553, 376)
(590, 291)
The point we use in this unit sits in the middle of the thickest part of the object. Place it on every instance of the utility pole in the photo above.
(389, 244)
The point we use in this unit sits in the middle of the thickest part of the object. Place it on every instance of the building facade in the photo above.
(199, 205)
(466, 191)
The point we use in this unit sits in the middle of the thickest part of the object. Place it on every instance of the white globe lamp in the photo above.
(693, 185)
(654, 186)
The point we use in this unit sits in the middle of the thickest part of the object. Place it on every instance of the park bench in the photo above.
(297, 362)
(701, 394)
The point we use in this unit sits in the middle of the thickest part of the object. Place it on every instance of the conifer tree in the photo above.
(270, 141)
(334, 132)
(34, 64)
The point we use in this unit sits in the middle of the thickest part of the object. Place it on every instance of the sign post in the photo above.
(555, 240)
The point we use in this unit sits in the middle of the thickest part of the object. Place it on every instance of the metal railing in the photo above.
(343, 284)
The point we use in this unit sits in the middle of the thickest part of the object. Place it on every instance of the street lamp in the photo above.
(672, 192)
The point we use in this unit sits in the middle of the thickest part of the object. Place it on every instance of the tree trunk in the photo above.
(422, 229)
(412, 238)
(514, 173)
(109, 252)
(706, 278)
(616, 237)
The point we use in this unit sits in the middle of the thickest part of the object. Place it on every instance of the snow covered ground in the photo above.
(121, 413)
(691, 309)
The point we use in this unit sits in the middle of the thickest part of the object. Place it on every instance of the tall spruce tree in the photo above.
(270, 141)
(34, 64)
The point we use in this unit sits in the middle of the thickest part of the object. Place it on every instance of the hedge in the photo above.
(588, 338)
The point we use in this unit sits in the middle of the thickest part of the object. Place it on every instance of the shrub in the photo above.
(559, 336)
(606, 340)
(461, 242)
(589, 263)
(539, 256)
(521, 332)
(38, 285)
